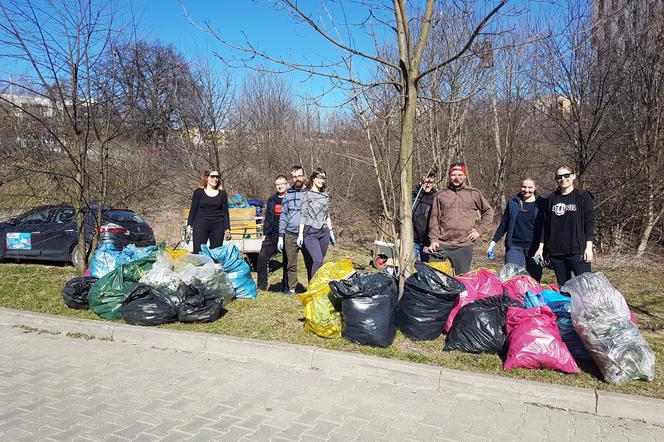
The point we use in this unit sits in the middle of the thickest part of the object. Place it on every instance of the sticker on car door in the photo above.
(18, 241)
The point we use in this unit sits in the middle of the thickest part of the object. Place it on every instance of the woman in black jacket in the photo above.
(208, 215)
(567, 237)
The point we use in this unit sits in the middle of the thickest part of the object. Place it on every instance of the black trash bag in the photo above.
(368, 303)
(198, 303)
(479, 327)
(428, 297)
(146, 305)
(567, 332)
(75, 292)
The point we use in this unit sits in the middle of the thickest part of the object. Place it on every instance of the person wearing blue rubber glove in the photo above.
(315, 224)
(490, 253)
(521, 224)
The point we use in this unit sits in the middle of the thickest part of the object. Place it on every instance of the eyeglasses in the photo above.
(322, 177)
(214, 176)
(563, 175)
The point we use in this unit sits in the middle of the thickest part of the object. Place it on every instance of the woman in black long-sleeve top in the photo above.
(208, 216)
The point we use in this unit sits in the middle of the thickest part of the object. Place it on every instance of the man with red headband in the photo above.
(454, 224)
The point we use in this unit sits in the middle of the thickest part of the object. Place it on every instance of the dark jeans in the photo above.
(460, 257)
(204, 230)
(268, 250)
(524, 258)
(316, 242)
(290, 250)
(420, 254)
(563, 266)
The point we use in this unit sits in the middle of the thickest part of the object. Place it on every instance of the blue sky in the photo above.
(271, 30)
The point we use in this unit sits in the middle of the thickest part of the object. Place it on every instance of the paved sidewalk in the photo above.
(54, 387)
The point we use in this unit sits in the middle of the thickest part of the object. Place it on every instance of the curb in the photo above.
(336, 363)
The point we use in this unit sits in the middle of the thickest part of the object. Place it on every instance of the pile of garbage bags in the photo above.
(509, 314)
(161, 286)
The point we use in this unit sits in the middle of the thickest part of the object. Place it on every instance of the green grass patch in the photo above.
(275, 317)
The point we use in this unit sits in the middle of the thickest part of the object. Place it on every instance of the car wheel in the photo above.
(74, 255)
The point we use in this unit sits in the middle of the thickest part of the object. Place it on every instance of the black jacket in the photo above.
(421, 214)
(271, 216)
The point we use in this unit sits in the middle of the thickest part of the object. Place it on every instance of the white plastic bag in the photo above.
(601, 318)
(510, 270)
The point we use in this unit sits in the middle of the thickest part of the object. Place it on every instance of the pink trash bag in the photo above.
(535, 342)
(517, 286)
(479, 285)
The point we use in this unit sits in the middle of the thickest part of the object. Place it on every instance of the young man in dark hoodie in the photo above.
(423, 197)
(271, 233)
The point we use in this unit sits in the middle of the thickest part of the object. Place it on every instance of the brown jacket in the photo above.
(454, 215)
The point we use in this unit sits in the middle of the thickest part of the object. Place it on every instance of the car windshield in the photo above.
(123, 216)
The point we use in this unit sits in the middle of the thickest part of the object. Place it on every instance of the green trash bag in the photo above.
(106, 295)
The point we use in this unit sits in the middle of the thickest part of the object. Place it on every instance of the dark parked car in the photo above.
(49, 232)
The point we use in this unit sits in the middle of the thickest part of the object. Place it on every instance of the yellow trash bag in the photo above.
(176, 253)
(320, 315)
(443, 266)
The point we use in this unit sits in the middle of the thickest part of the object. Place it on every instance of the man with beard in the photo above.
(289, 227)
(454, 225)
(423, 197)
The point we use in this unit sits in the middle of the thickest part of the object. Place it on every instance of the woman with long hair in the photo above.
(567, 236)
(208, 216)
(315, 224)
(521, 224)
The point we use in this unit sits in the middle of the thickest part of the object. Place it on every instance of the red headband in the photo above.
(458, 166)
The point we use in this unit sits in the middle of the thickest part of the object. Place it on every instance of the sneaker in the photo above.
(288, 292)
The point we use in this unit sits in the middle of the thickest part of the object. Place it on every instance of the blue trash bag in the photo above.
(237, 270)
(237, 202)
(545, 297)
(106, 259)
(564, 321)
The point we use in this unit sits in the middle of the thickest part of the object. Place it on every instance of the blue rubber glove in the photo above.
(300, 240)
(490, 253)
(280, 244)
(333, 239)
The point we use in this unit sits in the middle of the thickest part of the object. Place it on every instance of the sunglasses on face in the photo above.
(457, 163)
(214, 176)
(563, 175)
(320, 177)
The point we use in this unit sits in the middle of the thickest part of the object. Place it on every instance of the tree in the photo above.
(63, 46)
(410, 27)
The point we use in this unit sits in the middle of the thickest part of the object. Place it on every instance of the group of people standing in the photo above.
(446, 223)
(558, 229)
(296, 219)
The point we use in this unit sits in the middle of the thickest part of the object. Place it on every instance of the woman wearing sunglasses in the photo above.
(208, 216)
(315, 224)
(567, 236)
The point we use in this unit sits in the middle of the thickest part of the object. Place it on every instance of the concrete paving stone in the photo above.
(175, 436)
(351, 426)
(206, 434)
(223, 423)
(322, 428)
(194, 425)
(252, 421)
(282, 419)
(264, 432)
(216, 411)
(235, 433)
(366, 435)
(427, 432)
(133, 429)
(295, 431)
